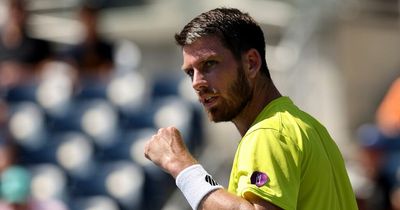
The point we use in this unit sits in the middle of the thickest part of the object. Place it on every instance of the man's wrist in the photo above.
(195, 183)
(178, 168)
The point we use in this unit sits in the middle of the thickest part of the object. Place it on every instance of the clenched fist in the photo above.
(167, 150)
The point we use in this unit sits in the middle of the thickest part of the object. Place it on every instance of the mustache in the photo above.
(206, 91)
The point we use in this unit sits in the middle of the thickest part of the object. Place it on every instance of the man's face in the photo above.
(217, 77)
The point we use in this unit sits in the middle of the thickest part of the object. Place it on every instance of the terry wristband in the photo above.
(195, 183)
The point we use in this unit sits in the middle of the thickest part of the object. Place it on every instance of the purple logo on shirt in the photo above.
(259, 178)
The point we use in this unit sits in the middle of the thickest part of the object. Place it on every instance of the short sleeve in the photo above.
(268, 166)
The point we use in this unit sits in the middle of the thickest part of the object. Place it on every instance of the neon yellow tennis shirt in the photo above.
(288, 158)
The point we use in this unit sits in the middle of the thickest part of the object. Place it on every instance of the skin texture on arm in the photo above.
(221, 199)
(167, 150)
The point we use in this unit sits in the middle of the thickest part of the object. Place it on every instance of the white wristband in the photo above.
(195, 183)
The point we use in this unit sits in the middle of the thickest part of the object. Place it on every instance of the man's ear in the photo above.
(253, 62)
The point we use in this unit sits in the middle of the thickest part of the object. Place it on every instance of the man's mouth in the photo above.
(209, 101)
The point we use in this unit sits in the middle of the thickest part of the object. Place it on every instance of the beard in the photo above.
(238, 96)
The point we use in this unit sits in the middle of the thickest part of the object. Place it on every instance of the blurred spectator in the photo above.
(14, 180)
(388, 114)
(15, 188)
(93, 56)
(380, 154)
(388, 122)
(20, 54)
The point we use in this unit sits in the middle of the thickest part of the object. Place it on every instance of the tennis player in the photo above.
(285, 160)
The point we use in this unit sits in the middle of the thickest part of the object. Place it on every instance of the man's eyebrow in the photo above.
(186, 68)
(200, 62)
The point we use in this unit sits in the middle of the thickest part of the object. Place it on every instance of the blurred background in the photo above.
(83, 84)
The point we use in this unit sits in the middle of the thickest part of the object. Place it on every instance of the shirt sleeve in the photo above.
(269, 168)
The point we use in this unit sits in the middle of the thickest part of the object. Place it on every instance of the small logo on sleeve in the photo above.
(210, 180)
(259, 178)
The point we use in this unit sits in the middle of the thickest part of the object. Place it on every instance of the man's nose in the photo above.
(199, 81)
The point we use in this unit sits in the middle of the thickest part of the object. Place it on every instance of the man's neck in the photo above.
(263, 94)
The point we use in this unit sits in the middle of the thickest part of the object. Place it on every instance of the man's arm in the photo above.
(221, 199)
(167, 150)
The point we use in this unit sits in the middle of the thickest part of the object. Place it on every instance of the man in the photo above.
(21, 56)
(285, 160)
(93, 55)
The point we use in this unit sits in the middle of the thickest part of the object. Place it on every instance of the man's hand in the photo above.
(167, 150)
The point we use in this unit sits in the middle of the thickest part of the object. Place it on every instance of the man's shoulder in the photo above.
(276, 115)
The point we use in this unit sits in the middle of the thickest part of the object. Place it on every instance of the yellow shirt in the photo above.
(289, 159)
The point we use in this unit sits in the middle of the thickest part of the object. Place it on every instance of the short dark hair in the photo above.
(237, 31)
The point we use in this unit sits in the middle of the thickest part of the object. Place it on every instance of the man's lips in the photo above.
(208, 101)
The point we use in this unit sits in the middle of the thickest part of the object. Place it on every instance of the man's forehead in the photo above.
(202, 49)
(203, 45)
(192, 57)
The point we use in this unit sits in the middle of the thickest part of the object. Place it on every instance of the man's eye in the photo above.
(210, 63)
(190, 73)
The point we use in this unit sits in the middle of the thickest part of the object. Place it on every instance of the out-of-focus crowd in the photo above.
(25, 62)
(73, 121)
